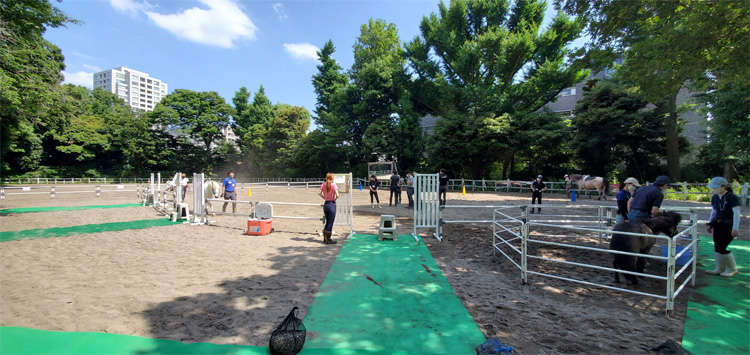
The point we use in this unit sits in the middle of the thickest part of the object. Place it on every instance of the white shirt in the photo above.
(184, 181)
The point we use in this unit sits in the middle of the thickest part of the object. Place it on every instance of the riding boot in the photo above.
(327, 238)
(720, 267)
(223, 208)
(731, 265)
(234, 209)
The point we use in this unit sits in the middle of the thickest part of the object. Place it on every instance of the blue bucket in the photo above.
(682, 260)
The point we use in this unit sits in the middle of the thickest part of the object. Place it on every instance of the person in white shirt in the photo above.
(184, 183)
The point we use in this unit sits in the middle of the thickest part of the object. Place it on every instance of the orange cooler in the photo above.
(258, 226)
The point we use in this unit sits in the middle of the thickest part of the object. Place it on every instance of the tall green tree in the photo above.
(196, 119)
(289, 127)
(30, 73)
(383, 111)
(479, 60)
(614, 126)
(728, 150)
(667, 45)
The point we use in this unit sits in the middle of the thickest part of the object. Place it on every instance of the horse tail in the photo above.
(606, 186)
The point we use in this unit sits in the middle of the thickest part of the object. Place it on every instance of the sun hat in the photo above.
(662, 180)
(633, 181)
(717, 182)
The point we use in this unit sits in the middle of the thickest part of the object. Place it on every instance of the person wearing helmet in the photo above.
(724, 224)
(627, 188)
(536, 192)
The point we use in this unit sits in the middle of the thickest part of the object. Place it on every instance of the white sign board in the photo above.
(26, 188)
(120, 187)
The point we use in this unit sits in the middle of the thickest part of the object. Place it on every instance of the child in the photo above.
(374, 190)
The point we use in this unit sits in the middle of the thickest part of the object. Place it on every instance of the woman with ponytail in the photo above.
(330, 193)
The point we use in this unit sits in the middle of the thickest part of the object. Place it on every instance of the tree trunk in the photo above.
(512, 165)
(506, 163)
(673, 148)
(728, 171)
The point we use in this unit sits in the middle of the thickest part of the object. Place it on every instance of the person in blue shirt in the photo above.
(646, 201)
(626, 189)
(724, 224)
(228, 191)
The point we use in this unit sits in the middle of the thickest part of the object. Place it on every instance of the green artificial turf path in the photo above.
(25, 341)
(64, 208)
(388, 298)
(84, 229)
(718, 313)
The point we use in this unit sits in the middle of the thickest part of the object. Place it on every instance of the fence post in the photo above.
(2, 194)
(98, 191)
(684, 190)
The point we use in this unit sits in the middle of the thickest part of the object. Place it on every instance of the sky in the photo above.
(223, 45)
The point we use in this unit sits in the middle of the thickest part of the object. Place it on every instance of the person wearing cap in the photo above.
(227, 190)
(568, 185)
(395, 187)
(442, 187)
(647, 200)
(627, 187)
(724, 224)
(537, 187)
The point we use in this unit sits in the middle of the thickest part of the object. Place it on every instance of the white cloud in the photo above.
(280, 10)
(302, 50)
(93, 68)
(131, 7)
(81, 78)
(220, 25)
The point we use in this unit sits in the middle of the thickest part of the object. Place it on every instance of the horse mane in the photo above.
(674, 216)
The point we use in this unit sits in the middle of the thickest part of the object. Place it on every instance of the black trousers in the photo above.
(394, 192)
(410, 195)
(374, 193)
(722, 237)
(443, 195)
(534, 196)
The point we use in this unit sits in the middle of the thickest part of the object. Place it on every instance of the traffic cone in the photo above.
(464, 190)
(573, 196)
(248, 192)
(360, 186)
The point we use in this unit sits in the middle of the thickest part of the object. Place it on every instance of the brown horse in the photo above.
(586, 182)
(664, 222)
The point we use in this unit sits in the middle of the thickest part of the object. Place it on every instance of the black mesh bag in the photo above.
(289, 337)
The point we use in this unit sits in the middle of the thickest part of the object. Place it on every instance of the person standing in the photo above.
(724, 224)
(568, 185)
(330, 193)
(184, 183)
(626, 190)
(410, 190)
(443, 187)
(537, 187)
(228, 191)
(374, 184)
(394, 187)
(646, 201)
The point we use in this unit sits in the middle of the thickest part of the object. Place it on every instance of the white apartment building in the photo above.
(137, 88)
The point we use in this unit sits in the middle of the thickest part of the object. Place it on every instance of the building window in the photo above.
(568, 91)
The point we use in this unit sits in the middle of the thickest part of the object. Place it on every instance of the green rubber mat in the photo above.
(20, 341)
(388, 298)
(64, 208)
(718, 313)
(84, 229)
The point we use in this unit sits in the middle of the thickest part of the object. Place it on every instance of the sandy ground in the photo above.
(216, 284)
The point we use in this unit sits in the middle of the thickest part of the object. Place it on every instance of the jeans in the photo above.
(635, 215)
(410, 195)
(329, 211)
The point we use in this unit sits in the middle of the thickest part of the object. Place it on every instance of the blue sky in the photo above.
(222, 45)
